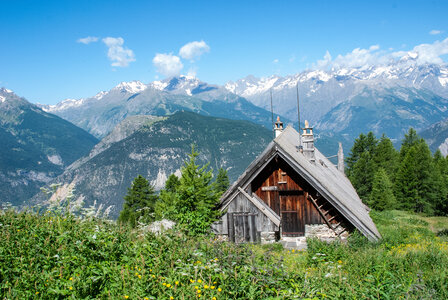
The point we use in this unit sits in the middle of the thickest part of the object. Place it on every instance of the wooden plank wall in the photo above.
(241, 205)
(284, 191)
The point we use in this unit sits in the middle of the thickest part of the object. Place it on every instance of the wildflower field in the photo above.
(53, 256)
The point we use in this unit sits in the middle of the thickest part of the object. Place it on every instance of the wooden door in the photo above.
(291, 210)
(242, 227)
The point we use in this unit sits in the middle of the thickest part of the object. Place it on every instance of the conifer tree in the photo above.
(364, 143)
(361, 175)
(197, 198)
(406, 183)
(410, 139)
(382, 195)
(139, 203)
(441, 173)
(165, 208)
(416, 184)
(222, 181)
(386, 157)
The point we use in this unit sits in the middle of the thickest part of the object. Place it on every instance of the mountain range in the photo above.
(36, 147)
(340, 103)
(345, 102)
(148, 128)
(156, 147)
(101, 113)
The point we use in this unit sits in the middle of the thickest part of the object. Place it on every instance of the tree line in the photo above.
(191, 200)
(411, 179)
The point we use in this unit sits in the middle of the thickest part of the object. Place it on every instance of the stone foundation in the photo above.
(323, 232)
(267, 237)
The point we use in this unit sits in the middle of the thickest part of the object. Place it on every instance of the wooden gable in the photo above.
(289, 196)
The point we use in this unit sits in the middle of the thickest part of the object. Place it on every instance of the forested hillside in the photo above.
(412, 179)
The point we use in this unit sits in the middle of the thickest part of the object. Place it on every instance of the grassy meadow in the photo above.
(53, 256)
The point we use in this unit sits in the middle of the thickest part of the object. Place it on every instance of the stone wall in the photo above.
(323, 232)
(267, 237)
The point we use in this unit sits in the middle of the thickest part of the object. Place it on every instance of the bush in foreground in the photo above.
(51, 257)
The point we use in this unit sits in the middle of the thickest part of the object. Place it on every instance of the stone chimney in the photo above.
(278, 127)
(308, 142)
(341, 165)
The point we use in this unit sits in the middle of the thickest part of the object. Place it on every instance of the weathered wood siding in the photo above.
(241, 205)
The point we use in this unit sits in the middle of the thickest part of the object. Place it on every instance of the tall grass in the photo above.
(53, 256)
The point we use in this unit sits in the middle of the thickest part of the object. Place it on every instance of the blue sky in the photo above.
(43, 58)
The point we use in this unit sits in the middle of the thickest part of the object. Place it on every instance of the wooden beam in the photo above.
(320, 211)
(332, 218)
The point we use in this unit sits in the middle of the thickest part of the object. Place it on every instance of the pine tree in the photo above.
(441, 174)
(165, 208)
(386, 157)
(416, 184)
(222, 181)
(382, 195)
(361, 176)
(406, 183)
(139, 203)
(410, 139)
(364, 143)
(197, 198)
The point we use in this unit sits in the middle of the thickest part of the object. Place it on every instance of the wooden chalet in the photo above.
(291, 189)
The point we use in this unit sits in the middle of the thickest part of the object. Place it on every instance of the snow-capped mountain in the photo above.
(321, 90)
(101, 113)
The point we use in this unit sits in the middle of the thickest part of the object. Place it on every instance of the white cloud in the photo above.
(193, 50)
(120, 56)
(275, 61)
(87, 40)
(435, 32)
(363, 58)
(357, 58)
(430, 53)
(167, 64)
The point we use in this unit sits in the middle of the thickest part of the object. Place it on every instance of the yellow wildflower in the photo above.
(214, 282)
(71, 278)
(339, 261)
(177, 282)
(168, 285)
(126, 297)
(199, 291)
(37, 293)
(214, 298)
(191, 280)
(199, 281)
(70, 288)
(212, 287)
(205, 286)
(171, 297)
(219, 289)
(196, 287)
(139, 276)
(153, 276)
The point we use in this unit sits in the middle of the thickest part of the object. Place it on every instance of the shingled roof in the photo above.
(332, 184)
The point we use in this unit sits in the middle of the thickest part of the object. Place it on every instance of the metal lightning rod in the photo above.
(298, 113)
(272, 115)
